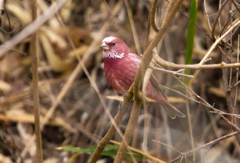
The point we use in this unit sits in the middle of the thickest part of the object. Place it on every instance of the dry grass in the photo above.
(71, 112)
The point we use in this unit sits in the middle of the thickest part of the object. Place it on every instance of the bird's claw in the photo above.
(124, 96)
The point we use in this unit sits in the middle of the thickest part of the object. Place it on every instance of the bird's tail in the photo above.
(172, 111)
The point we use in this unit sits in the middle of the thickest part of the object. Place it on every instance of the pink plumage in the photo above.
(120, 67)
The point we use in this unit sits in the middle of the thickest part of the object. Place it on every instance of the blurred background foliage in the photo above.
(79, 120)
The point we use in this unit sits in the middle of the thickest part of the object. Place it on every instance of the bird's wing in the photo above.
(153, 79)
(155, 84)
(135, 58)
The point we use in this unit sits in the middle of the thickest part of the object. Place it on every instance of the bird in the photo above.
(121, 66)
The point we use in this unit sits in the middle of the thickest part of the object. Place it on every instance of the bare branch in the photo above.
(34, 50)
(194, 66)
(206, 145)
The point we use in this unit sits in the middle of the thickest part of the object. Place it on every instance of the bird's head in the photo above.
(114, 47)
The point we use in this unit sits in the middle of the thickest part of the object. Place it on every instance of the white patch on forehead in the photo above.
(109, 39)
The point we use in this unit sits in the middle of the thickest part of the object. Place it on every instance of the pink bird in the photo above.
(120, 67)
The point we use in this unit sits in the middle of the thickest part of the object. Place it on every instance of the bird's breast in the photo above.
(119, 74)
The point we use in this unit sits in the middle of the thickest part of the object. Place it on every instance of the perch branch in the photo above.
(147, 57)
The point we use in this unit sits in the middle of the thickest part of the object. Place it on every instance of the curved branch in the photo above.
(206, 145)
(152, 16)
(215, 21)
(194, 66)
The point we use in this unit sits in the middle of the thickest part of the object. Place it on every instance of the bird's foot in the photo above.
(124, 96)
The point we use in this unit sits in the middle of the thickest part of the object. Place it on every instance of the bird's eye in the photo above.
(113, 43)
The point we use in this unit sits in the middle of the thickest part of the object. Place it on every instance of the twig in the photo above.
(225, 25)
(148, 27)
(190, 128)
(135, 35)
(195, 24)
(172, 72)
(236, 5)
(130, 127)
(229, 114)
(205, 145)
(229, 101)
(206, 13)
(34, 50)
(216, 19)
(105, 140)
(235, 101)
(194, 66)
(167, 146)
(152, 16)
(140, 152)
(218, 40)
(147, 56)
(200, 65)
(229, 122)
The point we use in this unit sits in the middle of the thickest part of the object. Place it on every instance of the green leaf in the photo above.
(109, 150)
(191, 34)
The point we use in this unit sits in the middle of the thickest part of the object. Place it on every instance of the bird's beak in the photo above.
(104, 46)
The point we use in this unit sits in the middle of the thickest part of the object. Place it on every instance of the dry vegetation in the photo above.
(71, 111)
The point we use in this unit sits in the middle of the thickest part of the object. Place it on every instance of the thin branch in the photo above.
(152, 16)
(172, 72)
(167, 146)
(206, 13)
(148, 27)
(236, 93)
(229, 122)
(216, 19)
(218, 40)
(206, 145)
(105, 140)
(225, 25)
(135, 35)
(236, 5)
(130, 127)
(195, 24)
(194, 66)
(34, 50)
(147, 56)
